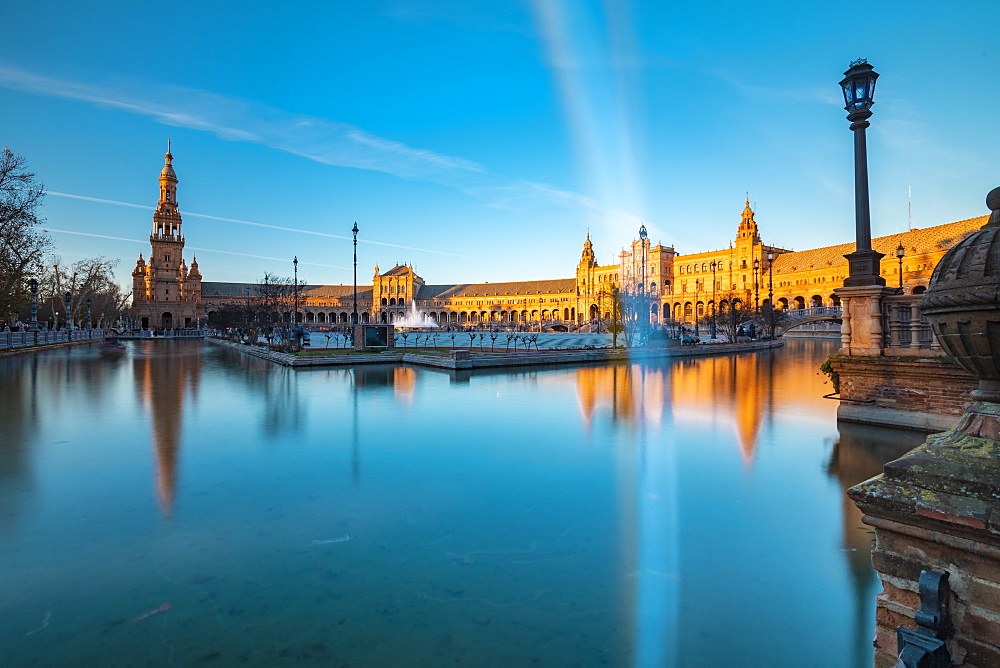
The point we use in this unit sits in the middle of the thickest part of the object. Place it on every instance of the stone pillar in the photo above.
(862, 332)
(937, 508)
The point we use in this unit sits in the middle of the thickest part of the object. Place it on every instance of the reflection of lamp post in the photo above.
(354, 314)
(859, 86)
(900, 252)
(33, 286)
(89, 319)
(713, 299)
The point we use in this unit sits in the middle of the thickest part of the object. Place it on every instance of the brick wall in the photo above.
(933, 385)
(974, 606)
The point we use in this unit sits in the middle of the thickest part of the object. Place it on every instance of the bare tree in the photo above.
(93, 279)
(22, 244)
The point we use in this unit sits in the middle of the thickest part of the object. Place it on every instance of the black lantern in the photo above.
(900, 253)
(859, 86)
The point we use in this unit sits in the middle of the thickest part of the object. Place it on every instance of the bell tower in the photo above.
(166, 293)
(166, 238)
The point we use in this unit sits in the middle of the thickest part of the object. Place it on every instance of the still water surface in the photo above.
(186, 504)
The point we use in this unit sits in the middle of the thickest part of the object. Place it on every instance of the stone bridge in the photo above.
(794, 317)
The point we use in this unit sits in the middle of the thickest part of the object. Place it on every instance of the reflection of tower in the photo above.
(750, 383)
(161, 382)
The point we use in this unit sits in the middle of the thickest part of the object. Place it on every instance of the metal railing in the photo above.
(905, 330)
(44, 337)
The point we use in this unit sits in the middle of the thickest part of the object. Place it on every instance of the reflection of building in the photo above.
(169, 294)
(162, 382)
(165, 293)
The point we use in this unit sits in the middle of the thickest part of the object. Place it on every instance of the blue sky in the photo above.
(480, 141)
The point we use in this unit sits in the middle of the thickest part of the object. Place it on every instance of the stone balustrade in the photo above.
(907, 333)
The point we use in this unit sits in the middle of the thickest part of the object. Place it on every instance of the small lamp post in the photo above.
(295, 316)
(696, 287)
(713, 299)
(900, 253)
(354, 313)
(756, 285)
(33, 286)
(858, 87)
(770, 288)
(89, 320)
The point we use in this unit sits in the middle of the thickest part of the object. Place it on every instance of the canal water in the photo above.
(184, 504)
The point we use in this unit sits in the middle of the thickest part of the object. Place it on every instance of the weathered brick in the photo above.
(984, 595)
(904, 597)
(977, 626)
(978, 653)
(891, 619)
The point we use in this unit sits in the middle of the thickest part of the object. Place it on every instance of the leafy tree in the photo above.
(22, 244)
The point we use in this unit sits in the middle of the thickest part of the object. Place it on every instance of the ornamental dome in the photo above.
(963, 302)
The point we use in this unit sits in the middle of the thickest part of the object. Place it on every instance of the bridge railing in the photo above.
(44, 337)
(905, 330)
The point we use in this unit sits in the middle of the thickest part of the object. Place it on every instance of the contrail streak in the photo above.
(264, 225)
(196, 248)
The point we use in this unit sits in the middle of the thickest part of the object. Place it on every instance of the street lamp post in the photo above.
(900, 253)
(33, 286)
(354, 314)
(756, 285)
(696, 285)
(68, 297)
(770, 289)
(644, 320)
(295, 316)
(858, 87)
(713, 299)
(89, 319)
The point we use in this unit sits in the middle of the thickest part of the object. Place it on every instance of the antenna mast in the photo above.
(909, 207)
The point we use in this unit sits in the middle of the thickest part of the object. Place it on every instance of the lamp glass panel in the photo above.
(848, 93)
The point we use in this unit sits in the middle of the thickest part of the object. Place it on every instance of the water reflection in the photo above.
(628, 514)
(858, 455)
(163, 378)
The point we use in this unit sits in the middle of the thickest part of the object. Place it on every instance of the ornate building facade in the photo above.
(166, 293)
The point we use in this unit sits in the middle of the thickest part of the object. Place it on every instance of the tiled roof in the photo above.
(916, 242)
(210, 289)
(543, 287)
(398, 270)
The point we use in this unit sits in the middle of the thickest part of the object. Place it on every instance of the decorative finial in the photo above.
(168, 145)
(993, 203)
(859, 61)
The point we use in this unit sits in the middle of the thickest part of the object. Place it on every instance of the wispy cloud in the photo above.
(319, 139)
